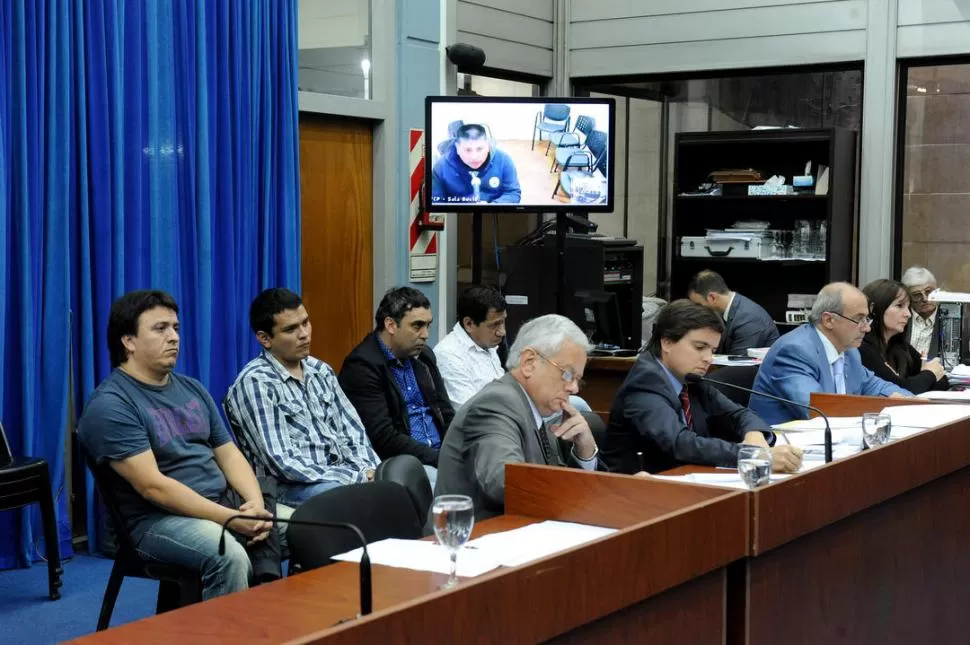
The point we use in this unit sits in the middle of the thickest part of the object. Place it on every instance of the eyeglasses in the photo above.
(916, 294)
(862, 322)
(567, 374)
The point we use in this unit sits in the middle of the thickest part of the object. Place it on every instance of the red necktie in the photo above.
(685, 403)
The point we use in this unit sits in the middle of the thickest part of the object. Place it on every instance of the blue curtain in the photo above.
(146, 144)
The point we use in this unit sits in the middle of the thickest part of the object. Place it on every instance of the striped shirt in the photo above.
(304, 431)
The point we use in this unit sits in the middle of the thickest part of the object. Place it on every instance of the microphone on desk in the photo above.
(366, 597)
(697, 378)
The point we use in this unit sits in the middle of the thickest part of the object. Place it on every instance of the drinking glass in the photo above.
(754, 465)
(453, 517)
(876, 428)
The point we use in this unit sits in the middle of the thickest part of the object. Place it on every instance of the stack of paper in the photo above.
(420, 555)
(534, 541)
(508, 548)
(945, 395)
(923, 416)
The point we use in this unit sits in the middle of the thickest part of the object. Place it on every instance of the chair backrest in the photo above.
(585, 124)
(380, 509)
(596, 426)
(742, 375)
(596, 143)
(106, 480)
(408, 471)
(6, 456)
(555, 112)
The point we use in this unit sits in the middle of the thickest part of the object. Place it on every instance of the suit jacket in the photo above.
(796, 366)
(748, 325)
(493, 428)
(368, 382)
(647, 416)
(916, 380)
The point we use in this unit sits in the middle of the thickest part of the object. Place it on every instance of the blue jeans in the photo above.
(295, 494)
(194, 544)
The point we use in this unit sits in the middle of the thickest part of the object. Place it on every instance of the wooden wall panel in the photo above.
(336, 183)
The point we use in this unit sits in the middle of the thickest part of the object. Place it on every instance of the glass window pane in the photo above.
(334, 47)
(936, 187)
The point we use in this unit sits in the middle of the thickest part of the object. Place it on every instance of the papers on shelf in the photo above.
(923, 416)
(960, 372)
(420, 555)
(535, 541)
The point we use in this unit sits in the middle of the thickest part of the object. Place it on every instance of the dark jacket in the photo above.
(368, 382)
(748, 325)
(916, 379)
(647, 417)
(451, 178)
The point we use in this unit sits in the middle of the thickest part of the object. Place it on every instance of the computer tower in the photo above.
(603, 282)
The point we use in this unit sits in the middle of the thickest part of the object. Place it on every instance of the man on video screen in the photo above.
(472, 171)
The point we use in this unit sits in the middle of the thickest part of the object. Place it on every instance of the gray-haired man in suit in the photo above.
(503, 422)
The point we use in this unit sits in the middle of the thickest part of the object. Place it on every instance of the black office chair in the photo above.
(177, 586)
(408, 471)
(380, 509)
(742, 375)
(23, 481)
(596, 426)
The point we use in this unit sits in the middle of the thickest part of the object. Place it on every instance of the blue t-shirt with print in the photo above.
(177, 421)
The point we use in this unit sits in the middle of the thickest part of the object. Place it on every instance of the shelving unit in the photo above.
(773, 152)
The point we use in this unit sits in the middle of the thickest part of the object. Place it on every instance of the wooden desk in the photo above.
(660, 578)
(850, 405)
(602, 377)
(867, 549)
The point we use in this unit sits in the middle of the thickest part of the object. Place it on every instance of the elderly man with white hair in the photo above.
(924, 333)
(820, 356)
(503, 423)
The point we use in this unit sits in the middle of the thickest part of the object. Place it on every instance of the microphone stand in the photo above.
(696, 378)
(366, 595)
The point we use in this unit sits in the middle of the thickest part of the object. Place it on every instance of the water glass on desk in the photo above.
(876, 428)
(453, 517)
(754, 465)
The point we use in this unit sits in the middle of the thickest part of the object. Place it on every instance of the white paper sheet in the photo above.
(534, 541)
(947, 395)
(420, 555)
(922, 415)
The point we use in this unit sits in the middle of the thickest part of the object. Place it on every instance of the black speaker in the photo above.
(467, 57)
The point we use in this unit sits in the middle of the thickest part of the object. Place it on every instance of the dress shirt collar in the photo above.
(388, 354)
(727, 311)
(925, 322)
(284, 374)
(466, 341)
(535, 411)
(675, 382)
(831, 353)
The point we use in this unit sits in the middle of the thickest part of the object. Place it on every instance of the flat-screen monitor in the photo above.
(538, 154)
(602, 322)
